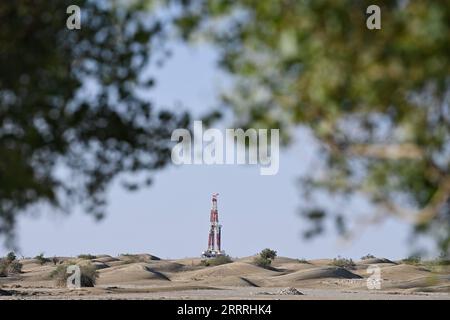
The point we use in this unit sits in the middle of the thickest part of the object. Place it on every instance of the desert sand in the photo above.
(144, 276)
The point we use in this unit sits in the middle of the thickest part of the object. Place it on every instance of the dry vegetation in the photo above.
(130, 276)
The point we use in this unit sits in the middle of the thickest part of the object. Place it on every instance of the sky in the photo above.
(171, 218)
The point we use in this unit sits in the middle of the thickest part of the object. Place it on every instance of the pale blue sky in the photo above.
(170, 219)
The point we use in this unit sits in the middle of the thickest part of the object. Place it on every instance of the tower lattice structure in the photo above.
(215, 231)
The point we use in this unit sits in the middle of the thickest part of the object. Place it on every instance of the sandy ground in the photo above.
(146, 277)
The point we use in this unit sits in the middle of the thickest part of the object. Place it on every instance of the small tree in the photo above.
(443, 259)
(265, 258)
(14, 267)
(87, 256)
(268, 254)
(3, 268)
(413, 259)
(41, 259)
(262, 262)
(9, 265)
(367, 257)
(88, 276)
(11, 256)
(343, 263)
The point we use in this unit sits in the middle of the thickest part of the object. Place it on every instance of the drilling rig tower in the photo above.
(214, 237)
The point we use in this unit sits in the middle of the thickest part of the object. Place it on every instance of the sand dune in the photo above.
(166, 266)
(404, 272)
(316, 273)
(105, 259)
(294, 266)
(230, 281)
(147, 276)
(130, 273)
(38, 273)
(225, 270)
(375, 261)
(276, 262)
(143, 257)
(422, 282)
(283, 260)
(248, 259)
(100, 265)
(445, 288)
(321, 262)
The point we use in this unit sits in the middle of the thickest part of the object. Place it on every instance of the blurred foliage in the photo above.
(368, 256)
(376, 100)
(302, 260)
(71, 118)
(414, 260)
(11, 256)
(87, 256)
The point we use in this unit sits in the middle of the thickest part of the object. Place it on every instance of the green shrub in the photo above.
(14, 267)
(222, 259)
(41, 259)
(262, 262)
(265, 258)
(8, 267)
(88, 277)
(216, 261)
(443, 259)
(413, 259)
(268, 254)
(3, 268)
(87, 256)
(368, 256)
(11, 256)
(343, 263)
(302, 260)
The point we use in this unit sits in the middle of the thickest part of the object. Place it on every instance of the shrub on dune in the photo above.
(88, 275)
(223, 259)
(343, 263)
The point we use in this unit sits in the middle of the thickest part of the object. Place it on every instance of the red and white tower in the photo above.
(214, 237)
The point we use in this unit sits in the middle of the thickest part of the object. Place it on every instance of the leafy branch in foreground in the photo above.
(71, 116)
(375, 103)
